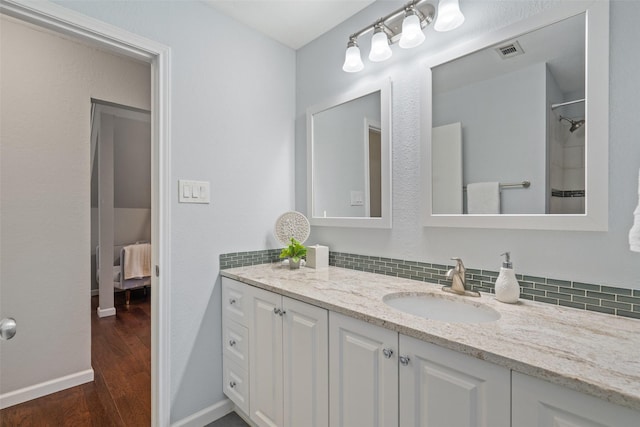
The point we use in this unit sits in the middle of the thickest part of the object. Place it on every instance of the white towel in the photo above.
(137, 261)
(483, 198)
(634, 233)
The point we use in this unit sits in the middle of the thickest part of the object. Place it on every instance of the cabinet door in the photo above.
(306, 364)
(265, 359)
(363, 382)
(440, 387)
(537, 403)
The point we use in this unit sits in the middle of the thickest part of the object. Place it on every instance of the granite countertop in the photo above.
(589, 352)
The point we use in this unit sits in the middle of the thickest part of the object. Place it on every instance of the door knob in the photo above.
(387, 352)
(7, 328)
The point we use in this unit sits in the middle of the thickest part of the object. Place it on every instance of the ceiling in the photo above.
(293, 23)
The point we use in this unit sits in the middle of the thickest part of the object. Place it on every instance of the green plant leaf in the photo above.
(294, 250)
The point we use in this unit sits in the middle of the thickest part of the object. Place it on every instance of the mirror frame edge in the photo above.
(384, 86)
(597, 115)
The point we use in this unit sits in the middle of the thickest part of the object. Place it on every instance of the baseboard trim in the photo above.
(45, 388)
(207, 415)
(106, 312)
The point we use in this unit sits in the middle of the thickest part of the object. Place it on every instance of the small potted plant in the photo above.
(295, 251)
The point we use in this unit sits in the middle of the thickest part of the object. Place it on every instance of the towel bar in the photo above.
(523, 184)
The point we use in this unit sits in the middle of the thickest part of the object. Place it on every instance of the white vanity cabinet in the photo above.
(287, 358)
(441, 387)
(364, 373)
(289, 363)
(538, 403)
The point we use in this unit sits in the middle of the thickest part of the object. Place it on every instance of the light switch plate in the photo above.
(193, 191)
(357, 198)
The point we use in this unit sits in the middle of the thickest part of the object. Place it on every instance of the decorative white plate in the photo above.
(292, 224)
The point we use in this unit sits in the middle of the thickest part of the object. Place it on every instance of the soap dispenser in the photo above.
(507, 286)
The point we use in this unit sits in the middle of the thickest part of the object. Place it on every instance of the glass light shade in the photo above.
(380, 50)
(449, 16)
(352, 60)
(412, 34)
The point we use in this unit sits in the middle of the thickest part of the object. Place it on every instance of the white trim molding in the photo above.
(207, 415)
(106, 312)
(119, 41)
(42, 389)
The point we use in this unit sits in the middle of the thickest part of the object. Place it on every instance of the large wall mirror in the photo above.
(517, 132)
(349, 159)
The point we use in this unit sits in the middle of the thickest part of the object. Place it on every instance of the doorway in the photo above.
(31, 321)
(121, 208)
(373, 168)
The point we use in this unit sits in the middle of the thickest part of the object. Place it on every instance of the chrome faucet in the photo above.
(457, 275)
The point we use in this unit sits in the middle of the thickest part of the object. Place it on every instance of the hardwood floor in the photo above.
(121, 392)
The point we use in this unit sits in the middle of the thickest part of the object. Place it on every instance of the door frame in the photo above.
(117, 40)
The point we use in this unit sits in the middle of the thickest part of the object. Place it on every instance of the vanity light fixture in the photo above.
(449, 16)
(412, 34)
(405, 26)
(352, 60)
(380, 49)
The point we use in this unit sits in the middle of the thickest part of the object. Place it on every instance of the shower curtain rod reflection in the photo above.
(562, 104)
(523, 184)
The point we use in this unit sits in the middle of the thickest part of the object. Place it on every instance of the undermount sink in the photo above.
(441, 308)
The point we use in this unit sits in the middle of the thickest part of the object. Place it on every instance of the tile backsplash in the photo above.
(584, 296)
(244, 259)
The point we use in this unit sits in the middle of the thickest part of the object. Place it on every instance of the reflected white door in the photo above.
(446, 149)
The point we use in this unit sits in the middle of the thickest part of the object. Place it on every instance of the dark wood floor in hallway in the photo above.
(121, 392)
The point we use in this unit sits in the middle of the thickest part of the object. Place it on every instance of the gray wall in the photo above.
(232, 110)
(602, 257)
(131, 164)
(503, 133)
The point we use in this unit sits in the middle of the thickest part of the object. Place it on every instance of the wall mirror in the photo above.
(517, 132)
(349, 159)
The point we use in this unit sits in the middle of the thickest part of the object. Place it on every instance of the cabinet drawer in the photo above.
(236, 384)
(235, 301)
(235, 341)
